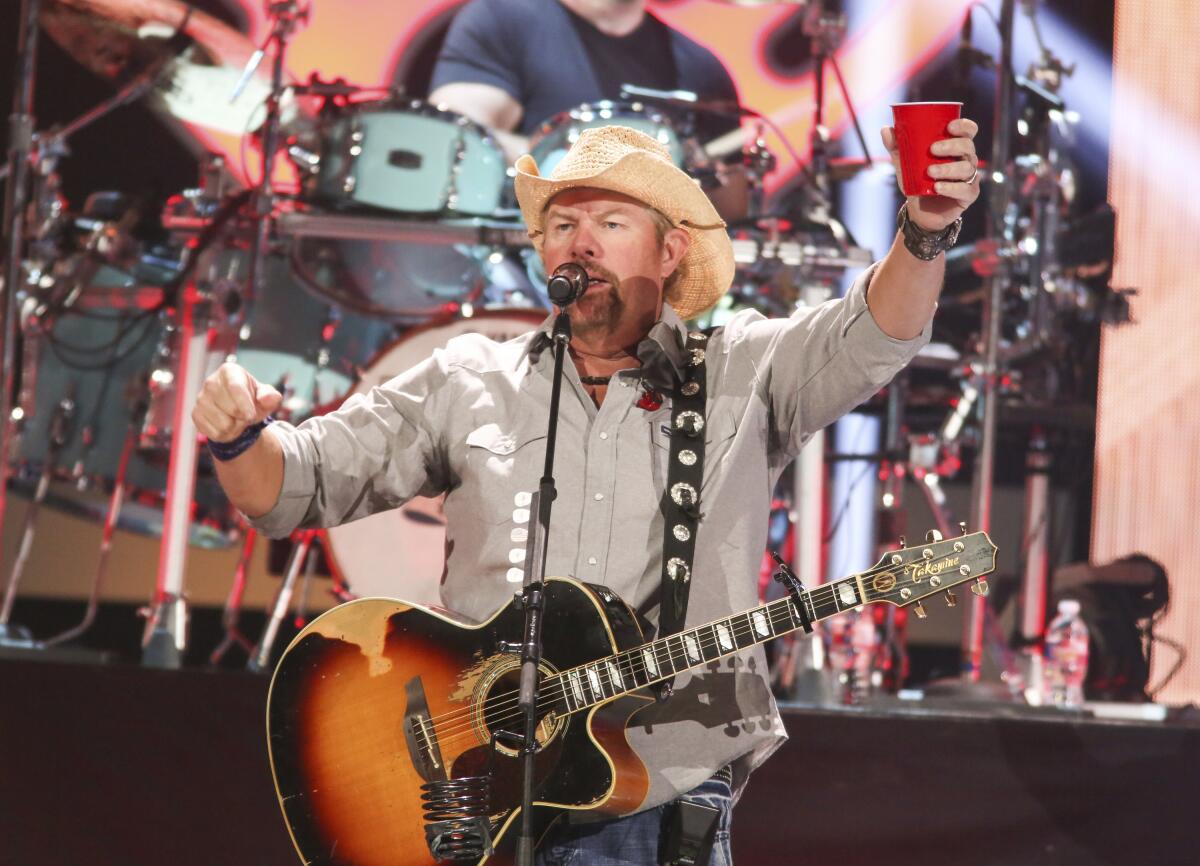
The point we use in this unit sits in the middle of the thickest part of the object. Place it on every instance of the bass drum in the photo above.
(401, 553)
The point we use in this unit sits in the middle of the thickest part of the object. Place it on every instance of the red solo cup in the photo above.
(918, 125)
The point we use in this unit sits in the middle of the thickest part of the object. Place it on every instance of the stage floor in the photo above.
(125, 765)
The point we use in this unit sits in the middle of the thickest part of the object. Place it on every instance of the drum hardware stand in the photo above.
(300, 616)
(1001, 229)
(16, 195)
(285, 15)
(59, 434)
(260, 658)
(826, 32)
(115, 501)
(1035, 576)
(233, 603)
(165, 636)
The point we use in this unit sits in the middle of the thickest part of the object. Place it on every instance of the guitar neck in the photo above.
(902, 577)
(662, 659)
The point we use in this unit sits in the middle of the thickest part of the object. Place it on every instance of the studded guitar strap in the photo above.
(681, 500)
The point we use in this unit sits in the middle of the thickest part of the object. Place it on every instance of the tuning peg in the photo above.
(933, 536)
(962, 527)
(903, 542)
(951, 598)
(980, 587)
(919, 610)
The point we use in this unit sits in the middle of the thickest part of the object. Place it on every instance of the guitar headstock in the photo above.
(906, 576)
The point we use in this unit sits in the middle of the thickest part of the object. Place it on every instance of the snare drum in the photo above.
(550, 143)
(411, 159)
(401, 553)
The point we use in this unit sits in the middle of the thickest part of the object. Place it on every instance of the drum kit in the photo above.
(401, 232)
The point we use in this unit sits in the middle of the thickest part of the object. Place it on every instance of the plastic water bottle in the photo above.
(1066, 657)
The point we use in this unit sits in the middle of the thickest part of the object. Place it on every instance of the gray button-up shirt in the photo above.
(471, 422)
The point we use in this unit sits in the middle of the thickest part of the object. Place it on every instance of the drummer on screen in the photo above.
(512, 64)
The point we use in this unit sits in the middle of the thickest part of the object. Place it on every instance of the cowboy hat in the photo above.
(621, 159)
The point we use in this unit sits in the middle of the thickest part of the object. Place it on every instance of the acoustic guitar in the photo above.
(376, 697)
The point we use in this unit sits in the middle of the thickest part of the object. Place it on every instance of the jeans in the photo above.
(633, 840)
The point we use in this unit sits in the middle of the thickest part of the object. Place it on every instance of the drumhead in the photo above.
(401, 553)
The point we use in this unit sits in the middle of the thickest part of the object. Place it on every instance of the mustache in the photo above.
(598, 272)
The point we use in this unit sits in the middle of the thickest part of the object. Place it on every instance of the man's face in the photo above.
(613, 237)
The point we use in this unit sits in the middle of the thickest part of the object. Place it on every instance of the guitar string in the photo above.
(446, 737)
(633, 667)
(465, 717)
(503, 703)
(819, 595)
(677, 653)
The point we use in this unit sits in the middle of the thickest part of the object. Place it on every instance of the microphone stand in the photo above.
(532, 599)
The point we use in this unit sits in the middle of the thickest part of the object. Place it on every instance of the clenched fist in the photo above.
(230, 401)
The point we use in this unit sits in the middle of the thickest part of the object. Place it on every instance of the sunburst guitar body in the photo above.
(377, 697)
(349, 769)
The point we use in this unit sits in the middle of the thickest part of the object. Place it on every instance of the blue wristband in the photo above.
(228, 450)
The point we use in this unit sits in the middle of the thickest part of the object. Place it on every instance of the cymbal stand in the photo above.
(998, 227)
(285, 15)
(826, 30)
(20, 144)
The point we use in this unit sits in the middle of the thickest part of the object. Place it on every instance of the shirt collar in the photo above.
(661, 351)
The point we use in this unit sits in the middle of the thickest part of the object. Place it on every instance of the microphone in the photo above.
(568, 282)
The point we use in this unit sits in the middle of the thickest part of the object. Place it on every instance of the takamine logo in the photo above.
(921, 570)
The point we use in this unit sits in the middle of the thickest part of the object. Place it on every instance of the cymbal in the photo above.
(122, 39)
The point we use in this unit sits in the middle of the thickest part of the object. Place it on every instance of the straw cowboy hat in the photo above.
(624, 160)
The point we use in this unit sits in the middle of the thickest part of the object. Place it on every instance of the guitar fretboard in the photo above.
(587, 685)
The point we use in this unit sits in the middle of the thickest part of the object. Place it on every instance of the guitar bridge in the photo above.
(420, 736)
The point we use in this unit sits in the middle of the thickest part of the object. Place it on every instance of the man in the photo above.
(471, 422)
(511, 65)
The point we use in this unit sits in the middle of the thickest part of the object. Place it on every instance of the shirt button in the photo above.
(591, 561)
(603, 435)
(597, 496)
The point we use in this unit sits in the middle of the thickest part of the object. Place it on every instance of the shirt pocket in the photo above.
(505, 464)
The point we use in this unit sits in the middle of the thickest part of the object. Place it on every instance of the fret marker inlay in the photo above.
(724, 637)
(594, 678)
(651, 662)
